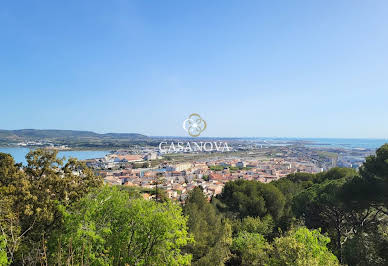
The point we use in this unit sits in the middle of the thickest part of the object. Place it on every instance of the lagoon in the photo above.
(19, 154)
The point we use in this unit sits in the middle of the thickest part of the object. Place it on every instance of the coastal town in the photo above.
(175, 166)
(177, 174)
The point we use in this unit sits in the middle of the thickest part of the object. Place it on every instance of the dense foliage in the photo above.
(251, 198)
(111, 228)
(298, 247)
(30, 197)
(3, 251)
(212, 234)
(54, 212)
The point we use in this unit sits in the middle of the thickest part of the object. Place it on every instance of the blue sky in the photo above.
(249, 68)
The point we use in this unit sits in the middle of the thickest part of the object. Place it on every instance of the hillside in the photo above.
(72, 138)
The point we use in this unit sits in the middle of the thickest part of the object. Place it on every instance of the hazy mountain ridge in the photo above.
(23, 135)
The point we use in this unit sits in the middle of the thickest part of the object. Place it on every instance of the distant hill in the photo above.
(73, 138)
(54, 133)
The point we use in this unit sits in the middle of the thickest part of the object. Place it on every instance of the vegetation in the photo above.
(109, 228)
(205, 177)
(3, 251)
(243, 198)
(298, 247)
(57, 213)
(30, 197)
(211, 233)
(302, 247)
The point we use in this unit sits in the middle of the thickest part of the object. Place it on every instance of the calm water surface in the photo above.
(19, 154)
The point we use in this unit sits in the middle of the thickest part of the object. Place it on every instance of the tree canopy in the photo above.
(251, 198)
(211, 233)
(111, 228)
(30, 196)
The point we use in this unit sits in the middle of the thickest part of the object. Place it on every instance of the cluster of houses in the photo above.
(179, 178)
(113, 160)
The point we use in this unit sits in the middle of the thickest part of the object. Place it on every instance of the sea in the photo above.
(19, 154)
(349, 143)
(369, 144)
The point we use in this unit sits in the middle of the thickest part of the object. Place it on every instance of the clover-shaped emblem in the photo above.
(194, 125)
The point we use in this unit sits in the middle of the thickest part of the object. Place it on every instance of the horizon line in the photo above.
(205, 137)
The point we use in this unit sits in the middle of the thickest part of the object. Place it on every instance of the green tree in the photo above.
(374, 173)
(366, 200)
(251, 249)
(367, 248)
(327, 204)
(30, 197)
(160, 194)
(109, 227)
(3, 251)
(298, 247)
(219, 253)
(302, 247)
(322, 207)
(212, 235)
(251, 198)
(302, 179)
(15, 198)
(263, 226)
(336, 173)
